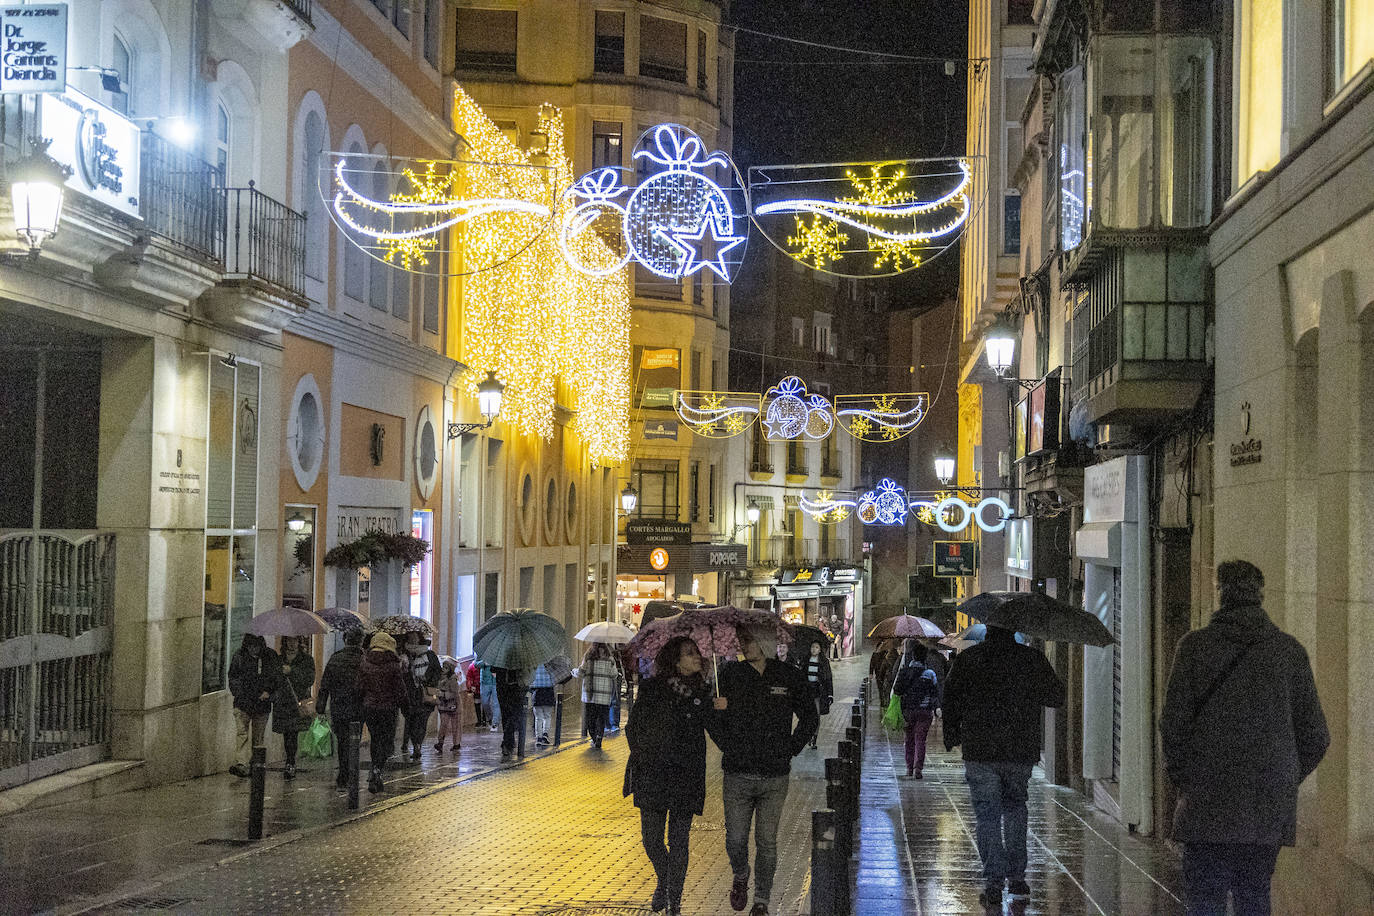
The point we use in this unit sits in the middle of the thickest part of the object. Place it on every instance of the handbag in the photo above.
(892, 716)
(304, 708)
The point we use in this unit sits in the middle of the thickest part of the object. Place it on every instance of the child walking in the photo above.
(450, 706)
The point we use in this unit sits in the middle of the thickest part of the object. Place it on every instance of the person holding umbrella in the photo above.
(383, 688)
(918, 689)
(599, 675)
(292, 707)
(340, 683)
(666, 773)
(422, 674)
(514, 643)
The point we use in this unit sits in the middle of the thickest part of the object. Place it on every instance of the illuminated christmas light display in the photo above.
(925, 508)
(876, 219)
(716, 415)
(825, 508)
(789, 412)
(971, 513)
(880, 417)
(549, 331)
(885, 504)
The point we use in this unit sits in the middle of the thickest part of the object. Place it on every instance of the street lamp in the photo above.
(629, 498)
(944, 467)
(999, 344)
(752, 513)
(296, 522)
(36, 189)
(489, 394)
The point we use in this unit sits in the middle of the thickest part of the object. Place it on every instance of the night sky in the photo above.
(797, 104)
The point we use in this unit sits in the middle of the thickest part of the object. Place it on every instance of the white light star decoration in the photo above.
(789, 412)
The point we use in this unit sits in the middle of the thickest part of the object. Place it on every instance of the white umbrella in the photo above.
(286, 621)
(605, 631)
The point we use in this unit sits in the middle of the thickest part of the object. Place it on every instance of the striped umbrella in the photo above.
(522, 639)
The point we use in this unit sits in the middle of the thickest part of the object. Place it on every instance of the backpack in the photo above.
(924, 694)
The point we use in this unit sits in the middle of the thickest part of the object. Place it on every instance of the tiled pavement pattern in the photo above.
(59, 857)
(555, 838)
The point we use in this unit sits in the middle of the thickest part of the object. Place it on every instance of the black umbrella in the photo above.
(1039, 615)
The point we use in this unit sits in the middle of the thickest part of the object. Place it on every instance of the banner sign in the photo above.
(660, 429)
(98, 144)
(954, 559)
(34, 56)
(657, 531)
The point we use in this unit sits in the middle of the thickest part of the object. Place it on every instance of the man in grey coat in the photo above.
(1242, 728)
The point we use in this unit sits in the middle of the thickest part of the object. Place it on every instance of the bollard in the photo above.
(837, 799)
(353, 749)
(829, 871)
(849, 754)
(257, 788)
(856, 717)
(558, 721)
(525, 712)
(855, 736)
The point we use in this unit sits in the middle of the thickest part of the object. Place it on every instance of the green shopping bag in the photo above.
(892, 716)
(318, 739)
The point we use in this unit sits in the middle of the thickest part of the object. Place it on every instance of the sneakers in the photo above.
(289, 772)
(991, 896)
(739, 894)
(758, 909)
(494, 726)
(1019, 889)
(544, 742)
(239, 770)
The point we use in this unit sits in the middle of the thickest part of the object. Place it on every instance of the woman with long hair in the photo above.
(667, 769)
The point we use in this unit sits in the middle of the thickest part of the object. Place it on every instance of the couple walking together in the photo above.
(751, 721)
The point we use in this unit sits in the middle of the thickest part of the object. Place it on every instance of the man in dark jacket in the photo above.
(340, 683)
(993, 705)
(762, 695)
(254, 675)
(1242, 728)
(383, 688)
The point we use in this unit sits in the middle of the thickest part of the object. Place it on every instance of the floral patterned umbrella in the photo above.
(401, 624)
(715, 630)
(342, 618)
(904, 625)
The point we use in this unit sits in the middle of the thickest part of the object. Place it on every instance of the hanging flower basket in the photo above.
(378, 547)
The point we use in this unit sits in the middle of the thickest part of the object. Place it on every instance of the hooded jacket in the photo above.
(993, 699)
(1239, 757)
(250, 678)
(380, 680)
(667, 738)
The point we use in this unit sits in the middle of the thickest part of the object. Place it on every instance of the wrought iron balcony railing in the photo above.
(183, 198)
(264, 241)
(300, 7)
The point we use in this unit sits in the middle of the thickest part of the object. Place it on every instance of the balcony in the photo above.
(1139, 335)
(830, 474)
(284, 23)
(263, 286)
(183, 199)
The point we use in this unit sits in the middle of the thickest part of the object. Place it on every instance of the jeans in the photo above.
(250, 731)
(916, 732)
(381, 732)
(999, 803)
(512, 704)
(1210, 870)
(596, 715)
(543, 720)
(670, 861)
(490, 704)
(341, 729)
(758, 799)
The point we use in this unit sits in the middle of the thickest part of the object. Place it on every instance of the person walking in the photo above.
(598, 673)
(666, 772)
(340, 684)
(254, 675)
(510, 697)
(486, 678)
(836, 636)
(474, 687)
(292, 709)
(918, 689)
(820, 682)
(450, 706)
(762, 697)
(383, 688)
(1242, 727)
(993, 704)
(422, 671)
(545, 696)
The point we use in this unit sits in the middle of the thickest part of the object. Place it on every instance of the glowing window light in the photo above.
(825, 508)
(716, 415)
(789, 412)
(880, 417)
(885, 504)
(550, 332)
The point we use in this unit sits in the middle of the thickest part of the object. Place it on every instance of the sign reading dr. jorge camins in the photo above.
(34, 55)
(98, 144)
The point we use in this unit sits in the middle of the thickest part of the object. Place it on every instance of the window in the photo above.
(796, 457)
(433, 24)
(1019, 12)
(422, 575)
(486, 40)
(762, 451)
(1259, 85)
(701, 60)
(231, 510)
(377, 279)
(606, 144)
(123, 61)
(830, 457)
(649, 285)
(693, 488)
(219, 144)
(431, 290)
(821, 341)
(697, 286)
(1349, 40)
(657, 483)
(663, 49)
(711, 496)
(355, 266)
(1071, 126)
(1011, 222)
(316, 219)
(397, 12)
(695, 370)
(609, 51)
(799, 331)
(1164, 304)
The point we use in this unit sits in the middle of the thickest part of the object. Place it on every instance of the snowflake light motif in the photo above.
(879, 190)
(430, 187)
(819, 241)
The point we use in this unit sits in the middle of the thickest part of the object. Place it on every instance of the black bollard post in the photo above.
(849, 753)
(558, 721)
(257, 788)
(855, 736)
(828, 871)
(856, 717)
(837, 799)
(353, 749)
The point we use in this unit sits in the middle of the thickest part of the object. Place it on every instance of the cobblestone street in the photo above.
(554, 836)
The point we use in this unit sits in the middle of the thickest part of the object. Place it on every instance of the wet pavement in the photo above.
(555, 837)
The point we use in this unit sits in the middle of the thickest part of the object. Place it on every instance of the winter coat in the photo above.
(340, 683)
(297, 684)
(824, 688)
(474, 679)
(666, 733)
(598, 679)
(250, 678)
(450, 690)
(380, 680)
(918, 689)
(1238, 759)
(757, 733)
(421, 672)
(993, 699)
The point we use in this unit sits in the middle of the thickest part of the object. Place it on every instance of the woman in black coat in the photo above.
(667, 768)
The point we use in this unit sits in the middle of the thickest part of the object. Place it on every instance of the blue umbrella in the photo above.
(976, 634)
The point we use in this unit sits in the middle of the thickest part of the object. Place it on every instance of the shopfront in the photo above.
(823, 596)
(664, 572)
